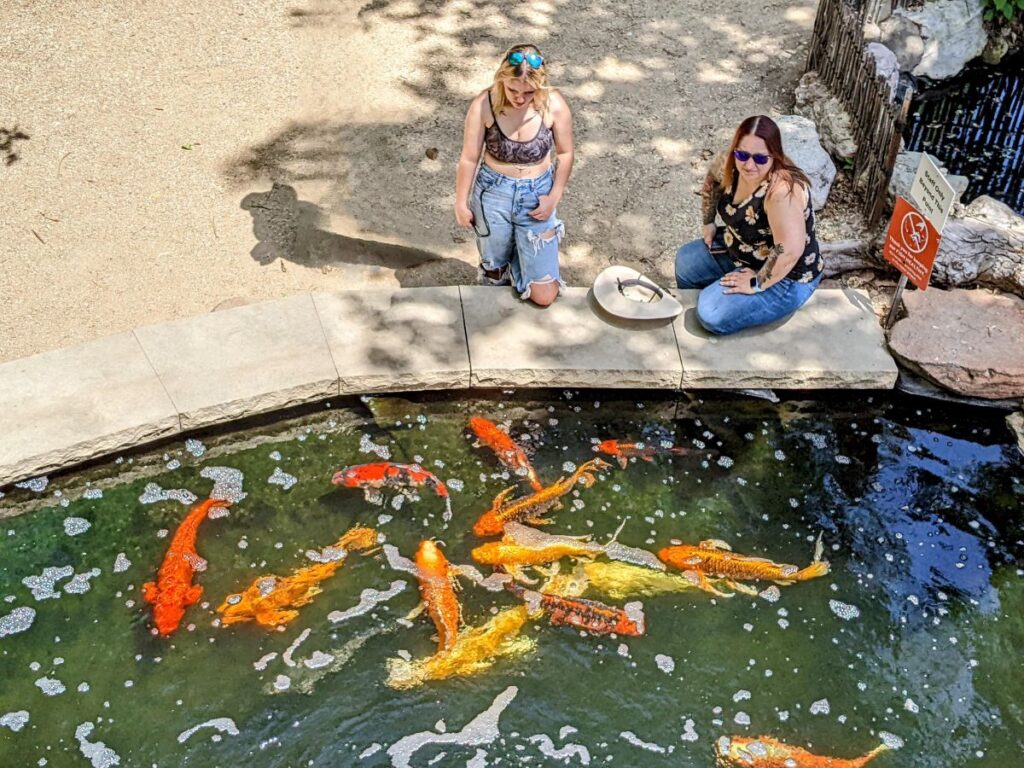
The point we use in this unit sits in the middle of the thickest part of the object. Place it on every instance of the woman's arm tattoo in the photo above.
(710, 194)
(764, 275)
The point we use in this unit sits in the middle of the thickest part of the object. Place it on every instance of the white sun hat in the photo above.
(624, 292)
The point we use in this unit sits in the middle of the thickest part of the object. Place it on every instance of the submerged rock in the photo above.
(967, 341)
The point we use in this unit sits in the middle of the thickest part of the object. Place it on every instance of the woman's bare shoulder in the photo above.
(784, 189)
(557, 102)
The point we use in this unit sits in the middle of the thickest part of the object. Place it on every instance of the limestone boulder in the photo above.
(983, 242)
(902, 36)
(953, 33)
(801, 143)
(832, 123)
(886, 65)
(905, 168)
(967, 341)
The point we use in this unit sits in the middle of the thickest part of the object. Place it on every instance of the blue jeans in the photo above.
(508, 239)
(719, 313)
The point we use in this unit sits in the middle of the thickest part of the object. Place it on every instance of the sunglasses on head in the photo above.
(516, 58)
(742, 156)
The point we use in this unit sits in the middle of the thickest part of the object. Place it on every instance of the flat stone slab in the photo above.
(571, 343)
(63, 407)
(396, 340)
(242, 361)
(833, 342)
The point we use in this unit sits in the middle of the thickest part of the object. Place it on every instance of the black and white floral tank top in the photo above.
(749, 237)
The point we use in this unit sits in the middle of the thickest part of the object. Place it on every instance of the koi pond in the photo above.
(910, 641)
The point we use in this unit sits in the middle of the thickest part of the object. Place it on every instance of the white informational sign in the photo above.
(931, 193)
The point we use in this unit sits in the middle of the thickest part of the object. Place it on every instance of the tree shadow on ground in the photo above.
(7, 138)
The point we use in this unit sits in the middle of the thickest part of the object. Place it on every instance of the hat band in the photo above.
(641, 283)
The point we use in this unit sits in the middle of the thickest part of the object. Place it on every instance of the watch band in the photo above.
(755, 284)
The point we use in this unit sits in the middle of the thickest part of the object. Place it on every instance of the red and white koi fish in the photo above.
(591, 615)
(623, 451)
(386, 474)
(173, 590)
(509, 453)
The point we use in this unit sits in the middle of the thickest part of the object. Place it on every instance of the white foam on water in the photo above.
(772, 594)
(366, 445)
(482, 729)
(478, 760)
(454, 484)
(92, 493)
(741, 695)
(18, 620)
(282, 478)
(97, 752)
(327, 554)
(891, 740)
(121, 563)
(318, 660)
(79, 584)
(37, 484)
(282, 683)
(689, 733)
(50, 686)
(220, 724)
(373, 749)
(42, 586)
(665, 663)
(286, 657)
(399, 563)
(368, 600)
(261, 663)
(227, 483)
(820, 707)
(742, 718)
(844, 611)
(911, 706)
(564, 753)
(636, 741)
(153, 493)
(73, 526)
(14, 720)
(195, 447)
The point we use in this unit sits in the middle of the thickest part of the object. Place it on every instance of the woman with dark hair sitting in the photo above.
(765, 262)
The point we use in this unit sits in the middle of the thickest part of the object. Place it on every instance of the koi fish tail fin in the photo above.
(819, 548)
(870, 755)
(149, 591)
(615, 536)
(812, 571)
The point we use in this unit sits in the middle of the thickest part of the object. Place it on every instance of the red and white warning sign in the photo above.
(911, 244)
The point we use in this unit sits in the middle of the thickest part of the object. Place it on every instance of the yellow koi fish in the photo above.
(621, 581)
(766, 752)
(270, 600)
(474, 651)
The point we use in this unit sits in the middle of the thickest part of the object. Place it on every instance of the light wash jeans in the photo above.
(508, 239)
(719, 313)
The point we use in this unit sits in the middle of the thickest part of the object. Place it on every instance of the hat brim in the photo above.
(639, 304)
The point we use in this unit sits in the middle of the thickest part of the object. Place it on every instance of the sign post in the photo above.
(914, 233)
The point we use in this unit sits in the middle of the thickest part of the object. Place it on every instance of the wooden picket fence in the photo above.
(839, 56)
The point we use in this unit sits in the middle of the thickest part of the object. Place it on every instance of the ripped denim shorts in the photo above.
(522, 249)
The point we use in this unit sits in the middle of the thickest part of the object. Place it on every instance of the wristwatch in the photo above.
(755, 285)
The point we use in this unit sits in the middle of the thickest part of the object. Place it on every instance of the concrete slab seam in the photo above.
(163, 386)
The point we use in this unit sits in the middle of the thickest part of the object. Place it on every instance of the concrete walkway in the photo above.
(71, 405)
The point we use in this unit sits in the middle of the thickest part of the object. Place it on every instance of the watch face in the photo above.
(753, 282)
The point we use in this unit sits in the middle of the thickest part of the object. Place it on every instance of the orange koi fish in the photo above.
(475, 650)
(437, 587)
(268, 599)
(766, 752)
(591, 615)
(509, 453)
(715, 558)
(530, 508)
(623, 451)
(386, 474)
(173, 590)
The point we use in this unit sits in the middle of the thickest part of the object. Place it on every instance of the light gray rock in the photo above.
(571, 343)
(814, 102)
(243, 361)
(983, 242)
(1015, 421)
(834, 341)
(396, 339)
(886, 65)
(968, 341)
(902, 36)
(953, 32)
(66, 406)
(801, 144)
(906, 167)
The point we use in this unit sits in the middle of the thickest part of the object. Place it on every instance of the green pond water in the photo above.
(914, 637)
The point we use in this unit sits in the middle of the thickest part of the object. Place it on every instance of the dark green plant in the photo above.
(1005, 8)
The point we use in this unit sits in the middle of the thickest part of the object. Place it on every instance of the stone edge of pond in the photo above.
(71, 405)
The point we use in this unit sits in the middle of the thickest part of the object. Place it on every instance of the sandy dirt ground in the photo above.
(167, 157)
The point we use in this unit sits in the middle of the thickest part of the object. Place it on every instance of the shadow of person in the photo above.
(291, 229)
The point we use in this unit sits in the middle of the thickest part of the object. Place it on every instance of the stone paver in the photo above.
(569, 344)
(243, 361)
(833, 342)
(392, 340)
(63, 407)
